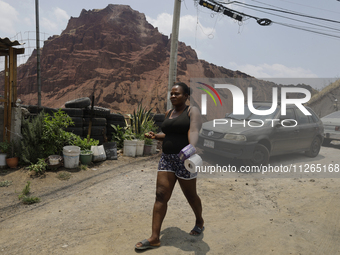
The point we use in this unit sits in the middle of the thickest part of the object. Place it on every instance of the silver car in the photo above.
(331, 124)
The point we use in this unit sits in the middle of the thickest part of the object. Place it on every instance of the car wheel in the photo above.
(314, 148)
(260, 156)
(326, 142)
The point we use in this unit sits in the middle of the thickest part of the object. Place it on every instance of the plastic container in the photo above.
(71, 156)
(54, 159)
(147, 149)
(154, 147)
(130, 148)
(98, 153)
(85, 157)
(3, 163)
(110, 150)
(140, 148)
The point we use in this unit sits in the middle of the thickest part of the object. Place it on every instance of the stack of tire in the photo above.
(34, 110)
(158, 119)
(114, 119)
(80, 112)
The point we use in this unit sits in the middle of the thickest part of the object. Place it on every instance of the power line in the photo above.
(220, 6)
(306, 22)
(287, 12)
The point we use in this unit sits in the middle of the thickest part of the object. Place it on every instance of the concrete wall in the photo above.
(15, 125)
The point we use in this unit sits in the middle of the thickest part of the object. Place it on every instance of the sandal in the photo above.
(198, 230)
(146, 245)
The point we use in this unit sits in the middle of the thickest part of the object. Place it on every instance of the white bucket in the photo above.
(140, 148)
(130, 147)
(71, 156)
(154, 147)
(54, 159)
(3, 163)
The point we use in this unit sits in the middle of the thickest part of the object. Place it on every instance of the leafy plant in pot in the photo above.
(85, 157)
(13, 152)
(147, 146)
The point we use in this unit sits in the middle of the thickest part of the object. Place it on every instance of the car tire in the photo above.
(115, 117)
(78, 121)
(78, 103)
(73, 112)
(326, 142)
(314, 148)
(75, 130)
(95, 130)
(95, 122)
(260, 156)
(158, 117)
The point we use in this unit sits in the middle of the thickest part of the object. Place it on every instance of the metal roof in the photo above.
(5, 43)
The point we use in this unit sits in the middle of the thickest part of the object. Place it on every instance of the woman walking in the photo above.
(180, 128)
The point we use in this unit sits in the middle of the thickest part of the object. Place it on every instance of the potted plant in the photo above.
(147, 146)
(86, 157)
(3, 153)
(138, 122)
(130, 143)
(13, 152)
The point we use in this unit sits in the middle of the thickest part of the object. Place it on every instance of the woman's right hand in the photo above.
(150, 134)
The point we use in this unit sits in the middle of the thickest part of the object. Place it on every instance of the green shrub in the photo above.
(121, 134)
(39, 167)
(54, 133)
(33, 143)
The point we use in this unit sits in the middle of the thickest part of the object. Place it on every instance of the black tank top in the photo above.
(176, 132)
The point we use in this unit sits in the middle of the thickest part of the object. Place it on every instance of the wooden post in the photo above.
(10, 92)
(5, 98)
(15, 81)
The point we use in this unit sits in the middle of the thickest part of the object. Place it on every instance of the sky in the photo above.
(275, 51)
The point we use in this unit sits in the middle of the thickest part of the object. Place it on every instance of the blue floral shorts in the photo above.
(172, 163)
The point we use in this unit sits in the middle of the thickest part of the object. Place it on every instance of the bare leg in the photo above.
(189, 190)
(165, 184)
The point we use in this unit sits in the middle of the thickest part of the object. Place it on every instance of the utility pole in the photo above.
(173, 50)
(38, 50)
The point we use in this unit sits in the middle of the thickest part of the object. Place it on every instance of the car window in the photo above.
(301, 117)
(313, 117)
(289, 114)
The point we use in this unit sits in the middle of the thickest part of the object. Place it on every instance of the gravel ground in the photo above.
(107, 208)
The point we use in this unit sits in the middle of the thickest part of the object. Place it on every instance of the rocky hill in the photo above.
(121, 58)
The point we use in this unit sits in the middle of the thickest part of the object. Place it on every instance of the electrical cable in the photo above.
(305, 29)
(286, 11)
(306, 22)
(267, 21)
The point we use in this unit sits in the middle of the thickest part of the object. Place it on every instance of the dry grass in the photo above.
(324, 92)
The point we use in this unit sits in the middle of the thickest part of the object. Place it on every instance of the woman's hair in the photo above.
(186, 89)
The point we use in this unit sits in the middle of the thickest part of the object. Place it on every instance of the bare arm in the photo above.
(195, 125)
(159, 136)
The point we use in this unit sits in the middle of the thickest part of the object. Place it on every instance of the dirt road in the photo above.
(107, 209)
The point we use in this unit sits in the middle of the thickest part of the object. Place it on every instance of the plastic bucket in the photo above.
(147, 149)
(71, 156)
(3, 163)
(110, 150)
(140, 148)
(154, 147)
(54, 159)
(130, 148)
(85, 157)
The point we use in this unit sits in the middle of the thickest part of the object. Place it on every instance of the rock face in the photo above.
(327, 100)
(117, 55)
